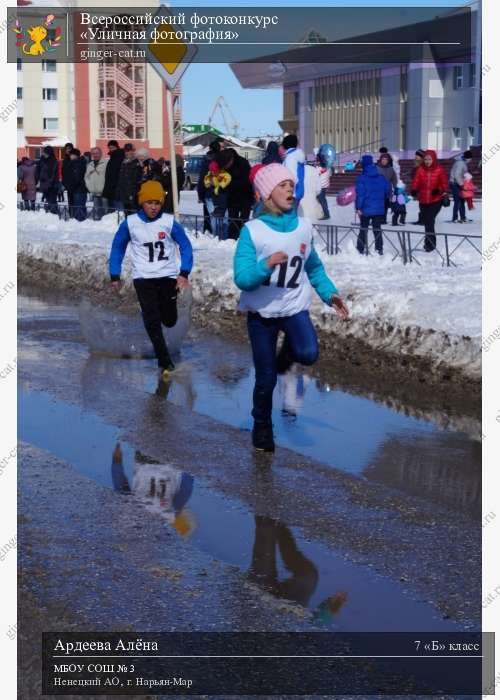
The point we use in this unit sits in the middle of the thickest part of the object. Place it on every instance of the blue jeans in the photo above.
(458, 202)
(303, 346)
(218, 218)
(79, 206)
(324, 203)
(100, 207)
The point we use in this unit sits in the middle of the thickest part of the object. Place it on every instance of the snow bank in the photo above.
(427, 311)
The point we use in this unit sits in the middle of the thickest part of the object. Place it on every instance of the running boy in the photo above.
(275, 265)
(154, 238)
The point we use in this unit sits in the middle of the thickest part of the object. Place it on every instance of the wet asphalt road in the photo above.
(386, 556)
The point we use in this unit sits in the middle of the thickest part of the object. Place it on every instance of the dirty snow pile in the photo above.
(425, 310)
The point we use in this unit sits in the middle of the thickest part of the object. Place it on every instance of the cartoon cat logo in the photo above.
(37, 35)
(44, 38)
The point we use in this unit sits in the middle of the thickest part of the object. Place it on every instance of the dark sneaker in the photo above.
(262, 437)
(284, 360)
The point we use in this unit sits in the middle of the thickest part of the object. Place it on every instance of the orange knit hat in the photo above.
(151, 191)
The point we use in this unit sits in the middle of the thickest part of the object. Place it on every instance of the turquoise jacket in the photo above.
(250, 274)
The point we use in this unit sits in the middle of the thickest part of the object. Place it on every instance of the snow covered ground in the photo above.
(426, 310)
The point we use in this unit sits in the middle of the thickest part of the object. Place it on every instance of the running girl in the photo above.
(275, 265)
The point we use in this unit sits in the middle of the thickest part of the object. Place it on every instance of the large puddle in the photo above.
(347, 432)
(285, 564)
(351, 433)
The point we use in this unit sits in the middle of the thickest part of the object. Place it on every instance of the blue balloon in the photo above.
(327, 155)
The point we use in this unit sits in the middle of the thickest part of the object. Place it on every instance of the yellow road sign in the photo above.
(168, 55)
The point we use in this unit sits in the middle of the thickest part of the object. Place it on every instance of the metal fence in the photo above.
(401, 244)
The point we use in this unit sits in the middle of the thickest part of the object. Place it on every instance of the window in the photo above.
(49, 66)
(458, 77)
(354, 93)
(50, 124)
(470, 136)
(20, 123)
(296, 103)
(310, 98)
(457, 139)
(472, 75)
(49, 94)
(19, 93)
(19, 64)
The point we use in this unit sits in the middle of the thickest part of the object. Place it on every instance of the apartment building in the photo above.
(90, 103)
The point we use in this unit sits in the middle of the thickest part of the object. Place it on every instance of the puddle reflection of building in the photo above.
(160, 488)
(440, 467)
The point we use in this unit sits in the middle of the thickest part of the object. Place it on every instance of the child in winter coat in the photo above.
(154, 238)
(324, 175)
(216, 182)
(398, 206)
(468, 190)
(275, 265)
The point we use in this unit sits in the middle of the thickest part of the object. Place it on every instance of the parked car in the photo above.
(193, 171)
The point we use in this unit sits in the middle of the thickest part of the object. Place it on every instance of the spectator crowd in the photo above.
(225, 185)
(112, 181)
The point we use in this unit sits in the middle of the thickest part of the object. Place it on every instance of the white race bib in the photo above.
(153, 250)
(288, 291)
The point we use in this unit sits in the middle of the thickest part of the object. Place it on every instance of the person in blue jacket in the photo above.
(275, 264)
(154, 238)
(372, 191)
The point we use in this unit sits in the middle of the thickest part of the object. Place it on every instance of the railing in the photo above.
(402, 245)
(114, 104)
(129, 84)
(132, 86)
(112, 132)
(357, 150)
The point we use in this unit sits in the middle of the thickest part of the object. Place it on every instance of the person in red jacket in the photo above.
(429, 186)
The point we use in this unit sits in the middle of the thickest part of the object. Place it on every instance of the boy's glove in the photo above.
(435, 192)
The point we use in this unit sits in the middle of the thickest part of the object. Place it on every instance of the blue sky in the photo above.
(257, 111)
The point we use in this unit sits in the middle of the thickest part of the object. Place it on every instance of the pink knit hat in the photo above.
(268, 177)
